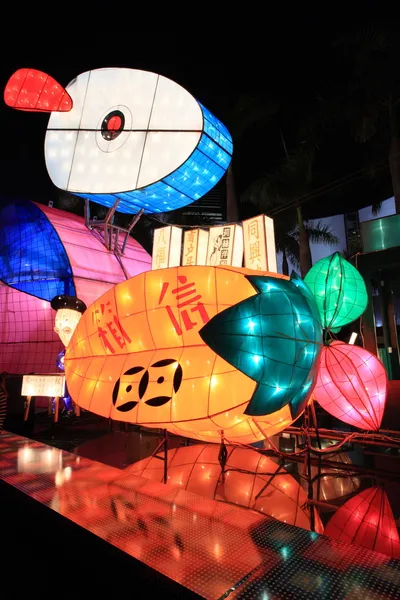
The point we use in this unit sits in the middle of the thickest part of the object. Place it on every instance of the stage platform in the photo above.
(76, 528)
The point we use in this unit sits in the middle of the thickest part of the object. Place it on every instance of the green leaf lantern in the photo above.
(275, 338)
(339, 291)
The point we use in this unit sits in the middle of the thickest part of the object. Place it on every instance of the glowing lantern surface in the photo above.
(45, 252)
(268, 488)
(366, 520)
(127, 135)
(137, 355)
(339, 291)
(273, 337)
(351, 385)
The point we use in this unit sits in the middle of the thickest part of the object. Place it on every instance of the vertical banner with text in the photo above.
(167, 244)
(259, 244)
(225, 246)
(195, 243)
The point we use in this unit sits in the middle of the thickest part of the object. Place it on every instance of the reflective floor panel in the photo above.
(216, 550)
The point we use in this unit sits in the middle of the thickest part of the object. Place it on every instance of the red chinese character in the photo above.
(114, 327)
(185, 294)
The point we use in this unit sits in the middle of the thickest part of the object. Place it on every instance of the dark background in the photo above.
(282, 55)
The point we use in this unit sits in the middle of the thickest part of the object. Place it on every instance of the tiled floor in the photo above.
(214, 549)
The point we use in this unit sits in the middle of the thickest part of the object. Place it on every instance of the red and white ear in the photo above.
(34, 91)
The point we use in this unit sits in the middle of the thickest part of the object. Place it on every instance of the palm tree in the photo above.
(281, 191)
(288, 242)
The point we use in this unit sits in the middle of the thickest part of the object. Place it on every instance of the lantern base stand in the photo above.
(222, 457)
(163, 445)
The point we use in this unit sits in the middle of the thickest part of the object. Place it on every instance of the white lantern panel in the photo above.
(164, 152)
(105, 172)
(174, 108)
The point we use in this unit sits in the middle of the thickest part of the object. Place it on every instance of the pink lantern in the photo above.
(45, 252)
(351, 385)
(366, 520)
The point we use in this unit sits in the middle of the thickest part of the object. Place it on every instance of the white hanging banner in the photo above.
(167, 242)
(195, 243)
(225, 246)
(259, 244)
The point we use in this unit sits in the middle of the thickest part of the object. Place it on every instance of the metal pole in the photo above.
(135, 220)
(165, 456)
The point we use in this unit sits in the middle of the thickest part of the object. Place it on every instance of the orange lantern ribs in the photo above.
(137, 356)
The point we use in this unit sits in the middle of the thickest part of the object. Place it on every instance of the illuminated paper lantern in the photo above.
(69, 311)
(366, 520)
(127, 135)
(45, 252)
(351, 385)
(266, 488)
(137, 354)
(275, 338)
(339, 291)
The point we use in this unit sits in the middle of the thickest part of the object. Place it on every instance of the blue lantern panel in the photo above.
(32, 257)
(193, 179)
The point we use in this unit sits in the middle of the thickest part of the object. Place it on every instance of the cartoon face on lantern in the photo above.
(69, 312)
(154, 351)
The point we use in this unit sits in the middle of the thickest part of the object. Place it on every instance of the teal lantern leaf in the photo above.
(273, 337)
(339, 291)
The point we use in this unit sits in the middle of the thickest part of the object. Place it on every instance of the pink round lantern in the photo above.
(351, 385)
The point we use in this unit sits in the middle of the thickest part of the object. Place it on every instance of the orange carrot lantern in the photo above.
(351, 385)
(158, 350)
(265, 487)
(367, 520)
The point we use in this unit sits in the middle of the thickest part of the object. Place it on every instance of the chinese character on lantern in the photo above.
(109, 328)
(186, 294)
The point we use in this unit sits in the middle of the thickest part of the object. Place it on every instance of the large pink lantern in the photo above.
(351, 385)
(367, 520)
(251, 480)
(45, 252)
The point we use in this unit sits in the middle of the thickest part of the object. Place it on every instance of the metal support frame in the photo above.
(163, 444)
(111, 232)
(131, 226)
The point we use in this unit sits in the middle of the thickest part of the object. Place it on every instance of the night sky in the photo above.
(292, 61)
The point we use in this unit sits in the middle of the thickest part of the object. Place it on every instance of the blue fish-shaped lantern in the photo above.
(127, 135)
